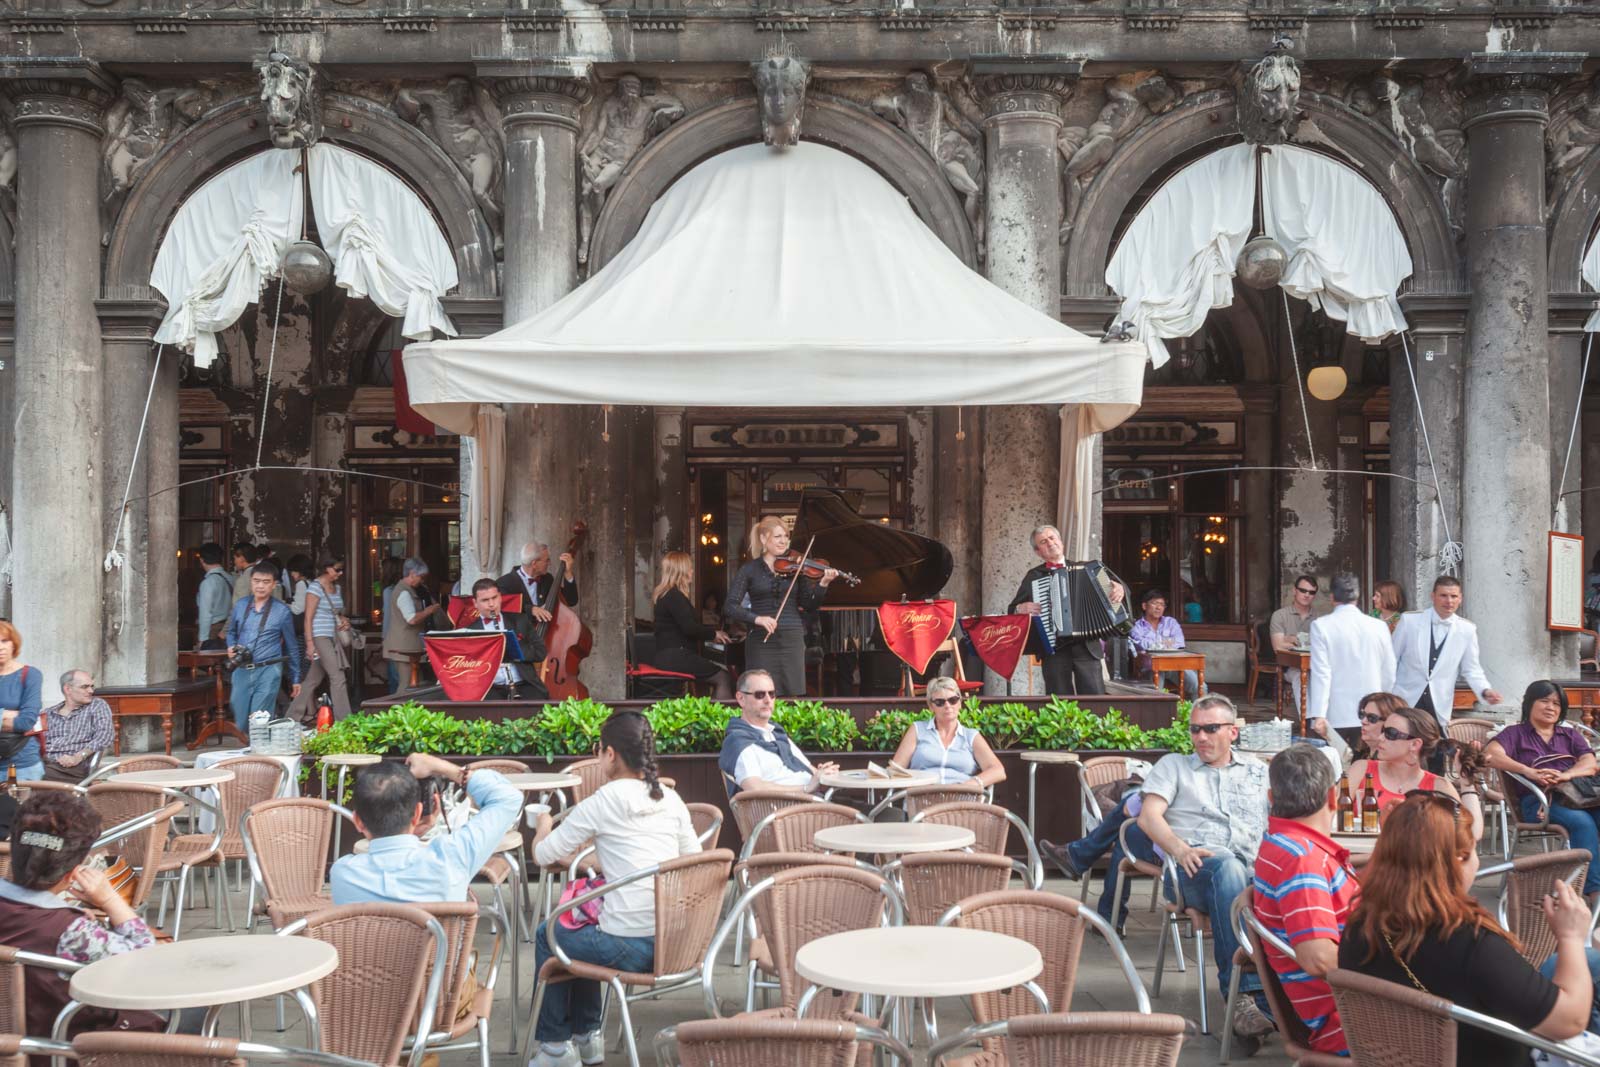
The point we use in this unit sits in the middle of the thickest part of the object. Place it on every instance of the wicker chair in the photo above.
(386, 985)
(469, 1030)
(1527, 880)
(150, 761)
(1513, 828)
(991, 825)
(1391, 1025)
(930, 882)
(688, 896)
(286, 845)
(1103, 1038)
(748, 873)
(792, 829)
(123, 806)
(1092, 773)
(707, 819)
(113, 1049)
(764, 1042)
(750, 806)
(255, 779)
(921, 797)
(1253, 936)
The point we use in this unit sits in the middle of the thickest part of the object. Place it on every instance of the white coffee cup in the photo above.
(533, 811)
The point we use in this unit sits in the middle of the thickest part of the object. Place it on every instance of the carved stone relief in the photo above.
(945, 122)
(622, 126)
(8, 171)
(1269, 100)
(1425, 116)
(290, 91)
(1574, 129)
(781, 80)
(462, 119)
(140, 123)
(1131, 100)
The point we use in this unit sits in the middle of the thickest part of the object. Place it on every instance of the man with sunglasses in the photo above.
(1290, 627)
(756, 752)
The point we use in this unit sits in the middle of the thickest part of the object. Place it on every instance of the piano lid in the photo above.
(891, 563)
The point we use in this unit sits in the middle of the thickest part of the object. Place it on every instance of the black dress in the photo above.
(677, 632)
(783, 655)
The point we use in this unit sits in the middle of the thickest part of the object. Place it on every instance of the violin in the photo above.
(810, 567)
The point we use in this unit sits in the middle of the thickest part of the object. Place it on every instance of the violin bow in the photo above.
(792, 583)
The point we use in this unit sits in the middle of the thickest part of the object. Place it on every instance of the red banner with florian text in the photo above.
(998, 639)
(914, 631)
(463, 610)
(466, 664)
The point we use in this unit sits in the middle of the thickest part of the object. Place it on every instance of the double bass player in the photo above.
(532, 580)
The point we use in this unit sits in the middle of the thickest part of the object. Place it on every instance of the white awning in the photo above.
(774, 279)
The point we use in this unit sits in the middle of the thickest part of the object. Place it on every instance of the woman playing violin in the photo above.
(777, 635)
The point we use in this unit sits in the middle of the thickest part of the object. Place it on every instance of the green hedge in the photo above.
(695, 725)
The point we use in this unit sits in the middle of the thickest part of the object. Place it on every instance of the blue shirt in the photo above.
(268, 634)
(402, 869)
(957, 763)
(24, 697)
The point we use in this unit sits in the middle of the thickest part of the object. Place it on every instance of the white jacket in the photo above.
(1457, 658)
(1350, 657)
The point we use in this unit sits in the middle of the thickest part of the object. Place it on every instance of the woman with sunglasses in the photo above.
(1418, 925)
(958, 753)
(1399, 762)
(325, 656)
(1547, 752)
(1375, 708)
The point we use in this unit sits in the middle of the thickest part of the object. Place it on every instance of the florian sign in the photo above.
(466, 664)
(998, 640)
(914, 631)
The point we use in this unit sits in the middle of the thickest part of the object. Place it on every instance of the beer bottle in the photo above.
(11, 781)
(1369, 806)
(1345, 822)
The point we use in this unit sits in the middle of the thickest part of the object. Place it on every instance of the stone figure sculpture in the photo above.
(8, 175)
(781, 81)
(1571, 135)
(138, 125)
(462, 120)
(1400, 105)
(1269, 100)
(936, 122)
(626, 121)
(1130, 100)
(294, 105)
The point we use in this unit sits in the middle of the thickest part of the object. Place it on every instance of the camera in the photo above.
(239, 657)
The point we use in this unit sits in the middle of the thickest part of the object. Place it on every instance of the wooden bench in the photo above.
(164, 699)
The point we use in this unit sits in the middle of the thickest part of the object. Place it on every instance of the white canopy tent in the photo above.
(770, 278)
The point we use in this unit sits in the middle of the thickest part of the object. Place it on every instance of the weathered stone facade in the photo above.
(1026, 137)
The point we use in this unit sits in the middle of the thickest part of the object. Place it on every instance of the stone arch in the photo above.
(828, 120)
(1573, 222)
(8, 277)
(1210, 117)
(236, 128)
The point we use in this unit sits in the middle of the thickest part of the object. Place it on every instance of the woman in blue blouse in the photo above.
(958, 753)
(19, 705)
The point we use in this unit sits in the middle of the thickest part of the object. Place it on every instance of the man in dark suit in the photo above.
(518, 679)
(1073, 669)
(533, 579)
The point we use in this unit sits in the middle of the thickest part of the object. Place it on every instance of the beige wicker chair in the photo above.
(150, 761)
(918, 797)
(286, 844)
(13, 1003)
(750, 806)
(767, 1042)
(1527, 880)
(470, 1029)
(688, 896)
(1513, 828)
(1391, 1025)
(255, 779)
(707, 819)
(180, 1050)
(1092, 773)
(748, 873)
(1101, 1038)
(385, 987)
(1253, 936)
(504, 766)
(930, 882)
(119, 807)
(992, 826)
(793, 828)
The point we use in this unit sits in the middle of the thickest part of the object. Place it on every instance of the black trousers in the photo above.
(1072, 670)
(520, 691)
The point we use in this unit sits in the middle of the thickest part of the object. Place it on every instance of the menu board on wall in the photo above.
(1565, 583)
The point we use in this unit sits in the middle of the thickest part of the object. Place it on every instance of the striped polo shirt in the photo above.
(1305, 889)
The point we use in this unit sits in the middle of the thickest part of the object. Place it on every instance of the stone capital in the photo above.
(550, 92)
(1515, 86)
(1435, 313)
(1569, 312)
(57, 91)
(1024, 87)
(131, 313)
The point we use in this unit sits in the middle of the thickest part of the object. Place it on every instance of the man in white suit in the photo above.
(1350, 657)
(1432, 648)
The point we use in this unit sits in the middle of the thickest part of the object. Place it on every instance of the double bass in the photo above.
(567, 640)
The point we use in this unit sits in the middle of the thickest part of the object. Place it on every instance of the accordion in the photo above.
(1075, 604)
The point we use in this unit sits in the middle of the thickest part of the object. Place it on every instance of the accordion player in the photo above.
(1075, 604)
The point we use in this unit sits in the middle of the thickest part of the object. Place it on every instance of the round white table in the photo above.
(544, 782)
(1033, 760)
(207, 972)
(175, 777)
(1358, 844)
(344, 761)
(893, 838)
(873, 782)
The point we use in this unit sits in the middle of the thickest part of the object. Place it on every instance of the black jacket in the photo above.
(533, 653)
(510, 583)
(1036, 645)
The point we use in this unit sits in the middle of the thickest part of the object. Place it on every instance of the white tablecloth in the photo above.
(291, 785)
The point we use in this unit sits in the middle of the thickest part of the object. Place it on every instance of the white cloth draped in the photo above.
(1346, 252)
(382, 239)
(1175, 261)
(1591, 274)
(224, 243)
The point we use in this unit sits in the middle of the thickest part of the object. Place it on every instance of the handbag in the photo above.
(587, 914)
(1580, 793)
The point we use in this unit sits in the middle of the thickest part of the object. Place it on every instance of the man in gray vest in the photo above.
(407, 618)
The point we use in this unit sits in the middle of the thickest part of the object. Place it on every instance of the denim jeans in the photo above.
(573, 1008)
(1593, 955)
(1582, 832)
(254, 690)
(392, 676)
(1087, 850)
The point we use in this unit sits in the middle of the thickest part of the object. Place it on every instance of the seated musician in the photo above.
(756, 752)
(1157, 630)
(518, 679)
(1074, 667)
(532, 580)
(676, 627)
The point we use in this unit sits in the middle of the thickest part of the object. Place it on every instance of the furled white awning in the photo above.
(1590, 271)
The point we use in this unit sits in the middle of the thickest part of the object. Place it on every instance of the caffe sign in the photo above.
(795, 436)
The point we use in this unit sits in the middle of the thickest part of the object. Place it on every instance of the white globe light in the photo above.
(1327, 383)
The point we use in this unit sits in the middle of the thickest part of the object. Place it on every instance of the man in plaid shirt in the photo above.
(1305, 888)
(76, 729)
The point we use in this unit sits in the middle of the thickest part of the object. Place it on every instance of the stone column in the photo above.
(474, 317)
(1568, 313)
(140, 632)
(1021, 444)
(1506, 444)
(59, 533)
(7, 390)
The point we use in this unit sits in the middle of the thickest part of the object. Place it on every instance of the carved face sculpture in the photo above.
(293, 116)
(629, 85)
(1269, 100)
(781, 93)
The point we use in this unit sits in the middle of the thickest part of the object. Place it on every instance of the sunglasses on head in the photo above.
(1207, 727)
(1391, 734)
(943, 702)
(1427, 794)
(759, 694)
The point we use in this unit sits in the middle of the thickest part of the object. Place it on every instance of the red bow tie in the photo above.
(1055, 566)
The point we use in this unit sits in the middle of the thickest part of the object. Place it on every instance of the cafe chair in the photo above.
(255, 779)
(749, 807)
(1182, 919)
(462, 1026)
(991, 825)
(114, 1049)
(503, 868)
(1093, 773)
(286, 847)
(1257, 665)
(1586, 650)
(792, 828)
(590, 778)
(646, 682)
(386, 985)
(1527, 879)
(761, 1042)
(139, 817)
(1253, 936)
(1387, 1023)
(707, 820)
(1057, 926)
(1513, 828)
(688, 892)
(1103, 1038)
(931, 882)
(150, 761)
(920, 797)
